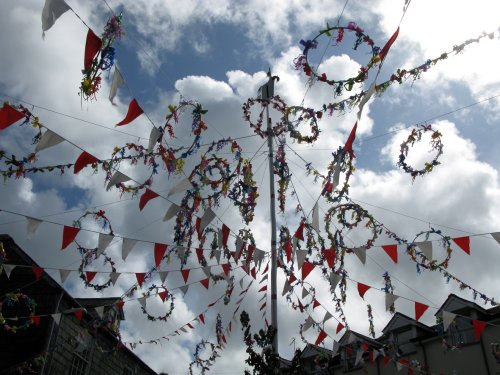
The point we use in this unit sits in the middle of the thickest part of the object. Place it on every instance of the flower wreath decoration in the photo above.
(88, 256)
(14, 305)
(282, 170)
(244, 192)
(165, 295)
(416, 136)
(204, 364)
(342, 163)
(432, 264)
(306, 115)
(278, 104)
(99, 217)
(298, 304)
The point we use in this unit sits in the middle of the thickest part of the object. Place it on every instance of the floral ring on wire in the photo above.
(426, 250)
(278, 104)
(164, 295)
(88, 256)
(342, 163)
(305, 114)
(416, 136)
(99, 217)
(307, 292)
(12, 307)
(302, 61)
(204, 364)
(244, 192)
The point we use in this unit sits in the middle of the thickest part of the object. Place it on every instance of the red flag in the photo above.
(350, 141)
(185, 275)
(392, 251)
(420, 308)
(202, 318)
(263, 289)
(69, 235)
(9, 115)
(329, 255)
(226, 267)
(292, 279)
(90, 276)
(223, 338)
(160, 249)
(163, 295)
(134, 111)
(387, 359)
(205, 282)
(463, 243)
(253, 273)
(83, 160)
(199, 254)
(385, 50)
(372, 358)
(79, 314)
(299, 233)
(362, 289)
(190, 325)
(92, 47)
(288, 251)
(340, 327)
(225, 234)
(321, 337)
(198, 226)
(38, 271)
(328, 188)
(35, 319)
(146, 197)
(306, 269)
(120, 304)
(262, 307)
(316, 303)
(479, 327)
(365, 347)
(140, 276)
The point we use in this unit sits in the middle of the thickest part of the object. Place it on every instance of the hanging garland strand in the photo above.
(204, 364)
(14, 305)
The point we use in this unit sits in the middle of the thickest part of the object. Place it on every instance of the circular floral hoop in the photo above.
(305, 114)
(342, 163)
(168, 296)
(244, 192)
(16, 301)
(432, 264)
(302, 61)
(416, 136)
(278, 104)
(88, 256)
(98, 216)
(299, 305)
(204, 364)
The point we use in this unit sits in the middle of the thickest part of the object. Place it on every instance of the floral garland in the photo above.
(282, 170)
(278, 104)
(99, 217)
(416, 136)
(88, 256)
(302, 61)
(305, 114)
(104, 60)
(371, 328)
(218, 329)
(166, 296)
(342, 163)
(430, 263)
(244, 192)
(388, 288)
(204, 364)
(13, 305)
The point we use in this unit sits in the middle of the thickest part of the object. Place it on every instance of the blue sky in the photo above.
(218, 54)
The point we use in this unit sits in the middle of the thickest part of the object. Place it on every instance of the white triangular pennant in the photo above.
(301, 257)
(336, 175)
(64, 275)
(327, 316)
(103, 242)
(239, 246)
(315, 217)
(184, 289)
(359, 355)
(307, 324)
(182, 185)
(171, 212)
(366, 97)
(350, 337)
(496, 236)
(113, 276)
(266, 276)
(399, 366)
(360, 253)
(426, 247)
(183, 329)
(305, 292)
(127, 246)
(163, 276)
(206, 271)
(376, 353)
(206, 219)
(286, 288)
(117, 82)
(142, 301)
(181, 252)
(154, 136)
(57, 318)
(117, 178)
(7, 268)
(48, 139)
(217, 255)
(31, 226)
(100, 311)
(389, 300)
(241, 283)
(258, 256)
(52, 10)
(334, 280)
(448, 318)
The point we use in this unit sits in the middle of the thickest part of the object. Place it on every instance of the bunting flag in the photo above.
(48, 139)
(306, 269)
(83, 160)
(287, 247)
(420, 308)
(100, 311)
(334, 280)
(79, 313)
(117, 82)
(286, 288)
(117, 178)
(52, 10)
(226, 267)
(389, 300)
(301, 257)
(368, 94)
(31, 226)
(35, 319)
(90, 276)
(103, 242)
(360, 253)
(387, 359)
(322, 335)
(57, 318)
(496, 236)
(463, 243)
(9, 115)
(426, 247)
(225, 234)
(142, 301)
(127, 246)
(448, 318)
(315, 218)
(113, 276)
(159, 252)
(7, 268)
(329, 255)
(134, 111)
(305, 293)
(359, 355)
(163, 276)
(299, 233)
(69, 235)
(206, 219)
(146, 197)
(392, 251)
(479, 327)
(63, 274)
(181, 186)
(184, 289)
(327, 316)
(316, 303)
(185, 275)
(120, 304)
(307, 324)
(140, 276)
(202, 318)
(171, 212)
(340, 327)
(93, 45)
(350, 141)
(385, 49)
(362, 289)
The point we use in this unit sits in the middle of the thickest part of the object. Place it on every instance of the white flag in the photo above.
(334, 280)
(182, 185)
(103, 242)
(52, 10)
(305, 293)
(31, 226)
(142, 301)
(127, 246)
(64, 275)
(206, 219)
(448, 318)
(154, 136)
(389, 300)
(327, 316)
(359, 355)
(426, 247)
(117, 178)
(301, 257)
(117, 81)
(360, 253)
(171, 212)
(113, 276)
(286, 288)
(307, 324)
(57, 318)
(163, 276)
(496, 236)
(315, 218)
(184, 289)
(7, 268)
(100, 311)
(217, 255)
(48, 139)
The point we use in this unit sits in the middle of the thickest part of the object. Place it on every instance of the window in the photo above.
(80, 362)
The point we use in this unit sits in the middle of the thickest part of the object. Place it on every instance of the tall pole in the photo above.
(267, 92)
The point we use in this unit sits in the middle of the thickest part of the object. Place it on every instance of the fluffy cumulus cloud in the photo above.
(459, 197)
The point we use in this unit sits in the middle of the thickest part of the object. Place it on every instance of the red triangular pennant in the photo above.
(185, 275)
(463, 243)
(38, 271)
(134, 111)
(350, 141)
(365, 347)
(299, 233)
(306, 269)
(198, 226)
(160, 249)
(362, 289)
(163, 295)
(385, 50)
(253, 273)
(479, 327)
(146, 197)
(35, 319)
(263, 289)
(420, 308)
(392, 251)
(321, 337)
(79, 313)
(205, 282)
(329, 255)
(202, 318)
(226, 267)
(316, 303)
(140, 276)
(92, 47)
(372, 357)
(190, 325)
(83, 160)
(9, 115)
(387, 359)
(328, 188)
(225, 234)
(340, 327)
(288, 251)
(69, 235)
(292, 279)
(199, 254)
(120, 304)
(90, 275)
(262, 307)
